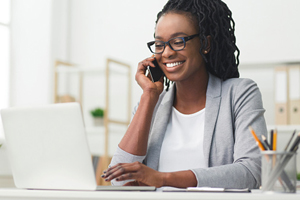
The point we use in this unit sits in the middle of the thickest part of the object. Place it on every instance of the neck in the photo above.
(191, 95)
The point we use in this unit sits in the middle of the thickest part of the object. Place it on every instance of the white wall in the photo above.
(117, 29)
(31, 52)
(268, 30)
(86, 32)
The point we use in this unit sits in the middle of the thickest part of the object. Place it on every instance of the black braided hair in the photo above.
(215, 20)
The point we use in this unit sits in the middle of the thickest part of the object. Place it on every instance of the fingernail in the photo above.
(104, 172)
(106, 179)
(117, 179)
(103, 176)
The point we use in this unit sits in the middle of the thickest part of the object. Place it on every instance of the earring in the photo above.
(205, 52)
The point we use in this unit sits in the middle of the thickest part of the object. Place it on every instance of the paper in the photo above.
(204, 189)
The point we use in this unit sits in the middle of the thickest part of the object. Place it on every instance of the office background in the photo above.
(87, 32)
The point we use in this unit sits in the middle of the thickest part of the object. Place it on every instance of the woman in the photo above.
(196, 133)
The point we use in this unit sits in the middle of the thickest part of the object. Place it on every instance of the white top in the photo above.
(183, 142)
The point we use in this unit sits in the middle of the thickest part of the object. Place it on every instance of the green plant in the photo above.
(298, 176)
(97, 112)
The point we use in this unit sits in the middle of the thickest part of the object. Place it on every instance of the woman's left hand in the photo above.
(137, 171)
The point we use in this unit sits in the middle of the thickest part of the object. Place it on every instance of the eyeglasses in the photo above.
(176, 44)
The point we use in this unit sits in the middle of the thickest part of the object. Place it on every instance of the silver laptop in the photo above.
(48, 149)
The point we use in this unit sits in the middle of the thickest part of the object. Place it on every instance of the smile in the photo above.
(173, 64)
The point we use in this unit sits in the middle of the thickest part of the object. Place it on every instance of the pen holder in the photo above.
(279, 173)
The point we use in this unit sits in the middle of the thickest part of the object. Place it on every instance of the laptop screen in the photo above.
(47, 147)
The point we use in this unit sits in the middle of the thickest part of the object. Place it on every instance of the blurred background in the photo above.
(37, 37)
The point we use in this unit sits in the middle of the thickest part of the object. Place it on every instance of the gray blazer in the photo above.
(231, 154)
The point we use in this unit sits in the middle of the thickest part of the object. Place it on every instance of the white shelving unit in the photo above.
(263, 74)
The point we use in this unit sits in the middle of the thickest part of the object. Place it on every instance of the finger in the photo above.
(142, 66)
(131, 183)
(161, 80)
(130, 171)
(126, 169)
(128, 176)
(145, 63)
(113, 170)
(135, 183)
(120, 170)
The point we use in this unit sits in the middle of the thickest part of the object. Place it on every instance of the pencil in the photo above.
(274, 140)
(260, 145)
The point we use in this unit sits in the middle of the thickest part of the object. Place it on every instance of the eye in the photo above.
(177, 42)
(159, 44)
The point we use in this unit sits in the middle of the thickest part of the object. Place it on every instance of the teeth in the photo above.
(173, 64)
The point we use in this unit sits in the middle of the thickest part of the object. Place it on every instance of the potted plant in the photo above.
(98, 114)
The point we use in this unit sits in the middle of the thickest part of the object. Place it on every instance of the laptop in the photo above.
(48, 149)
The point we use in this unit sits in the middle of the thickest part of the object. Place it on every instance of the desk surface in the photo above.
(16, 194)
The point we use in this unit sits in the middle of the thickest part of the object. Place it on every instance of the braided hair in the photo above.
(215, 20)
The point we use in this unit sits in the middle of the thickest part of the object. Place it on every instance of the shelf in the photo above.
(284, 128)
(266, 65)
(101, 129)
(85, 69)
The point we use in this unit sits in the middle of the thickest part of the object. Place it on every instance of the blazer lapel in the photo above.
(213, 98)
(158, 131)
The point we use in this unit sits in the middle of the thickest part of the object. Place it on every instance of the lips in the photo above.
(170, 65)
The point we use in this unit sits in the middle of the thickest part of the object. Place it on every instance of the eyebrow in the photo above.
(173, 35)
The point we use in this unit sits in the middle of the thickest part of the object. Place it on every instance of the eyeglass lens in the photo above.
(176, 44)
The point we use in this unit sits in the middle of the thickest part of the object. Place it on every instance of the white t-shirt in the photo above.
(182, 147)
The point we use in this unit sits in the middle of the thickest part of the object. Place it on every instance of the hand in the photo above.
(145, 82)
(137, 171)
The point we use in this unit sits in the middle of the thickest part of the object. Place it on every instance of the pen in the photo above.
(294, 147)
(290, 141)
(264, 139)
(271, 139)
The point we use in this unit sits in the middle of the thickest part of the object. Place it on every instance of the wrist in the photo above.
(150, 95)
(180, 179)
(166, 177)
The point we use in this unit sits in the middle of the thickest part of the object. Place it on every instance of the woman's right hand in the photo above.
(135, 140)
(144, 81)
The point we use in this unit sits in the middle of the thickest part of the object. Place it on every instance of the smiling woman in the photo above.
(196, 133)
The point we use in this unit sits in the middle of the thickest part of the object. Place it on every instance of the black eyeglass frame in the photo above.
(184, 39)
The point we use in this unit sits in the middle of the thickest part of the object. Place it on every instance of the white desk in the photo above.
(18, 194)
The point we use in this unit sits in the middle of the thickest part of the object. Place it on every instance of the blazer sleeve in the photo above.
(121, 156)
(245, 169)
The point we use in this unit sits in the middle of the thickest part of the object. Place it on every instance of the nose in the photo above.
(168, 52)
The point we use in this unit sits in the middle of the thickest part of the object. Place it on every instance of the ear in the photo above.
(207, 49)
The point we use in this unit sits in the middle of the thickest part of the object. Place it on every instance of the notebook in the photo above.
(48, 149)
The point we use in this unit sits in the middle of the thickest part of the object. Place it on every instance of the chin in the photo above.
(171, 78)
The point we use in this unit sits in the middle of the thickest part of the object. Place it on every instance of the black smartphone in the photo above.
(155, 72)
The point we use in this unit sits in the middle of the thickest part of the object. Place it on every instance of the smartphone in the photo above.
(155, 72)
